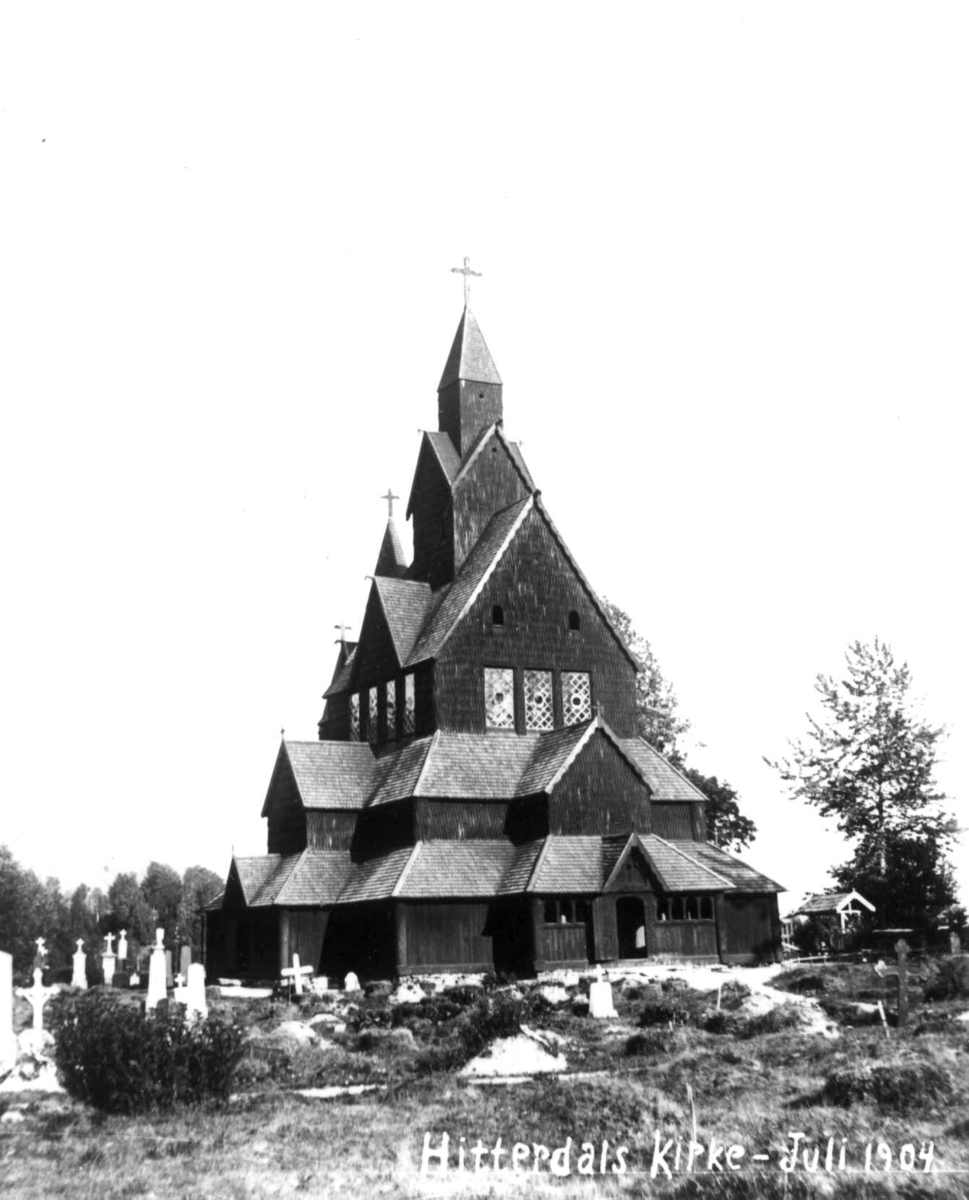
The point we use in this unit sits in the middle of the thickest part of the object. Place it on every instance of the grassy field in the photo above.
(670, 1072)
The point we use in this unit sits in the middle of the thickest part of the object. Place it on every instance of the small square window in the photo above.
(499, 685)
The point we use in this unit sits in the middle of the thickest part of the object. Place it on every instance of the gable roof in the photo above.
(391, 559)
(743, 877)
(405, 605)
(344, 665)
(462, 592)
(666, 782)
(262, 876)
(337, 777)
(437, 445)
(512, 449)
(833, 902)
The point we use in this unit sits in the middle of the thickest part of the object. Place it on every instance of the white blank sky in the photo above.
(725, 255)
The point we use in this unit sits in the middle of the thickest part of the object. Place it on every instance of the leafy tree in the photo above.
(726, 825)
(660, 725)
(656, 702)
(25, 911)
(162, 888)
(128, 909)
(868, 762)
(199, 886)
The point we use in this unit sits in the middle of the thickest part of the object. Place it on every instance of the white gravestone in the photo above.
(108, 960)
(79, 978)
(37, 996)
(123, 946)
(295, 974)
(8, 1043)
(600, 997)
(185, 961)
(197, 1004)
(156, 972)
(169, 977)
(351, 983)
(41, 954)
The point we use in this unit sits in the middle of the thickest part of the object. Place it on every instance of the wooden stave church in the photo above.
(479, 798)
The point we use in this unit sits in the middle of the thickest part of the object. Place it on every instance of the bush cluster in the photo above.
(494, 1016)
(899, 1087)
(114, 1057)
(951, 980)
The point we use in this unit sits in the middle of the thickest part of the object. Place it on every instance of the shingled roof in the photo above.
(743, 877)
(339, 776)
(406, 605)
(262, 876)
(832, 902)
(469, 357)
(663, 778)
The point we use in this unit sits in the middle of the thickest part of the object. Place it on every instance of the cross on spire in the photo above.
(466, 271)
(390, 498)
(343, 631)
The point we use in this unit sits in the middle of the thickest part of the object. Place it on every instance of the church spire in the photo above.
(391, 560)
(469, 394)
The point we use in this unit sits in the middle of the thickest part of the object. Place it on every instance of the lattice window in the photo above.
(354, 718)
(539, 714)
(499, 697)
(576, 697)
(409, 708)
(391, 711)
(372, 718)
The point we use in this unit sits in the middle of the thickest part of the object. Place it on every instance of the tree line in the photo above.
(161, 899)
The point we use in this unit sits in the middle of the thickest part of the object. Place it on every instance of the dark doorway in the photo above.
(631, 927)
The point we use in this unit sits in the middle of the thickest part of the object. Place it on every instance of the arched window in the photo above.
(497, 615)
(573, 621)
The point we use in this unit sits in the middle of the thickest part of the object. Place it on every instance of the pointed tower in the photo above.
(391, 561)
(469, 394)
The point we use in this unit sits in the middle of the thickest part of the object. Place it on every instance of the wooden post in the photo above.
(901, 949)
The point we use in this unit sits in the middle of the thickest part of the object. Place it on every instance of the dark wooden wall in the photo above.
(432, 937)
(376, 659)
(384, 828)
(464, 408)
(286, 820)
(492, 483)
(750, 930)
(537, 588)
(330, 830)
(433, 521)
(301, 931)
(459, 819)
(600, 794)
(673, 821)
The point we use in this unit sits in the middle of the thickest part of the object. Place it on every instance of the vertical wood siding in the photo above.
(328, 830)
(600, 794)
(384, 828)
(445, 935)
(459, 819)
(491, 484)
(286, 819)
(749, 933)
(673, 821)
(464, 408)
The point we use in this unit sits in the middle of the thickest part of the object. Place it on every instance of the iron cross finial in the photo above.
(343, 631)
(466, 271)
(390, 498)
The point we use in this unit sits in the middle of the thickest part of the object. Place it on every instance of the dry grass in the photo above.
(752, 1092)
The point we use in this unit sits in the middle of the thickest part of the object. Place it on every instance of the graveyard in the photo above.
(813, 1078)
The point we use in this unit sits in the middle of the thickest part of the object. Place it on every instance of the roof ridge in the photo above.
(507, 442)
(621, 858)
(480, 442)
(675, 769)
(431, 745)
(572, 755)
(396, 890)
(539, 859)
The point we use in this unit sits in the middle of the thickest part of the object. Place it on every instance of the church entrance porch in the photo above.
(631, 927)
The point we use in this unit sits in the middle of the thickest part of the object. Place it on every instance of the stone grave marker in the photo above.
(8, 1043)
(197, 1003)
(351, 983)
(157, 991)
(955, 943)
(79, 960)
(169, 977)
(185, 961)
(108, 960)
(600, 997)
(295, 973)
(37, 996)
(123, 948)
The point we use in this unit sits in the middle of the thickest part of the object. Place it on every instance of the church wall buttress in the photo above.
(536, 588)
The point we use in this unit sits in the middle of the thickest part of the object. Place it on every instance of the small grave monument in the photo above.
(351, 983)
(185, 961)
(37, 996)
(123, 948)
(157, 992)
(196, 1003)
(955, 943)
(8, 1043)
(295, 973)
(169, 977)
(79, 977)
(600, 997)
(108, 960)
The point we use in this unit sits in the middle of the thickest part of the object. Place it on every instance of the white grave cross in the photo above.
(41, 947)
(37, 996)
(108, 948)
(296, 973)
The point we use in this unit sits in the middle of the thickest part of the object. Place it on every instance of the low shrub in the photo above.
(950, 980)
(775, 1020)
(112, 1056)
(642, 1045)
(900, 1087)
(491, 1017)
